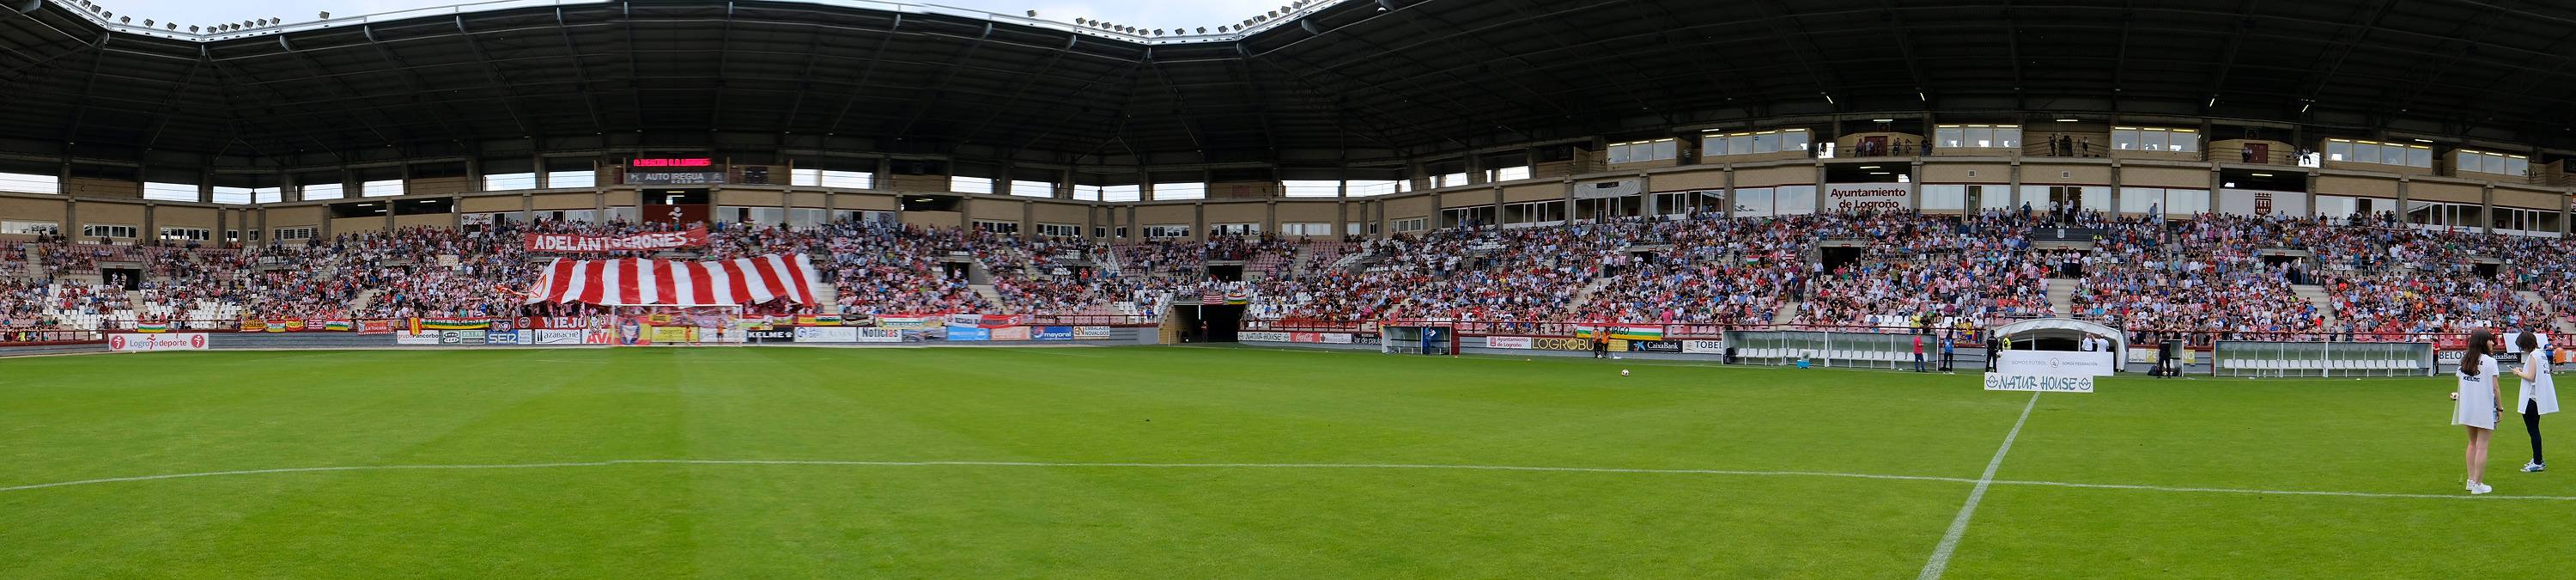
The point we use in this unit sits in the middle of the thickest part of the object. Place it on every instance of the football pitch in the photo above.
(1226, 463)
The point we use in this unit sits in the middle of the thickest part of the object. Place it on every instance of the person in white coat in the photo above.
(2476, 406)
(2537, 397)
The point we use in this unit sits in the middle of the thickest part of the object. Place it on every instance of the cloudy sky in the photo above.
(1144, 13)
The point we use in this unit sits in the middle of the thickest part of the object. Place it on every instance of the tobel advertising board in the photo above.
(156, 342)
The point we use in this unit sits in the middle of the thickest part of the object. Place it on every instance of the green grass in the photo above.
(80, 418)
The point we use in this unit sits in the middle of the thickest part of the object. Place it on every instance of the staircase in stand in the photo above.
(2316, 294)
(2061, 296)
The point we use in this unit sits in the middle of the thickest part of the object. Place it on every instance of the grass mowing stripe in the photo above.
(1390, 466)
(615, 462)
(1940, 561)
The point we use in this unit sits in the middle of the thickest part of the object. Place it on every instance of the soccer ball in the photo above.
(1623, 372)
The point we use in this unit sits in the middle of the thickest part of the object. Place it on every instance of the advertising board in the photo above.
(138, 342)
(1052, 333)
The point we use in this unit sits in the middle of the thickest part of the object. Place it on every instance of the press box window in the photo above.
(1640, 151)
(107, 231)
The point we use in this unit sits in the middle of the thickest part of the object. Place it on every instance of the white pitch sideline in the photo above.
(1378, 466)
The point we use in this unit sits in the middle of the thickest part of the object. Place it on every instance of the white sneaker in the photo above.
(2480, 489)
(2534, 468)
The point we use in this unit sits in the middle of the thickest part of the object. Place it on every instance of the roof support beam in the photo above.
(892, 30)
(580, 73)
(98, 56)
(419, 88)
(152, 138)
(930, 96)
(509, 105)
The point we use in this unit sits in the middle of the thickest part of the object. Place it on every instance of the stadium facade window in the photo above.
(1410, 224)
(1643, 151)
(624, 214)
(1673, 203)
(2345, 209)
(997, 226)
(381, 188)
(510, 181)
(2154, 139)
(1755, 202)
(806, 218)
(1239, 229)
(322, 191)
(1032, 188)
(1514, 173)
(169, 192)
(1945, 197)
(1718, 143)
(1451, 180)
(1993, 196)
(765, 216)
(232, 195)
(1459, 217)
(179, 234)
(2525, 221)
(1122, 193)
(575, 179)
(834, 179)
(31, 228)
(1608, 207)
(1167, 231)
(1307, 229)
(1060, 230)
(1087, 192)
(107, 231)
(267, 194)
(2354, 151)
(1794, 199)
(296, 233)
(2444, 215)
(30, 183)
(235, 236)
(2083, 197)
(1976, 136)
(964, 184)
(2172, 202)
(1184, 190)
(1376, 187)
(1534, 213)
(2485, 162)
(1310, 188)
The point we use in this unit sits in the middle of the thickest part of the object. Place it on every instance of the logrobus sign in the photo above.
(1854, 197)
(138, 342)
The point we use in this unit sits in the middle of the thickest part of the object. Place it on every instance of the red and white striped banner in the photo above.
(637, 281)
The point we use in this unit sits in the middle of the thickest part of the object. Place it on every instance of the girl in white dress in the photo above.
(2537, 397)
(2477, 407)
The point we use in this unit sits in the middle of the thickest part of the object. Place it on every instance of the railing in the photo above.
(1138, 35)
(35, 337)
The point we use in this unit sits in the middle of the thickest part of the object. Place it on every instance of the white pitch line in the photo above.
(1940, 561)
(1354, 466)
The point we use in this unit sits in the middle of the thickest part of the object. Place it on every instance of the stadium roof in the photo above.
(1340, 80)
